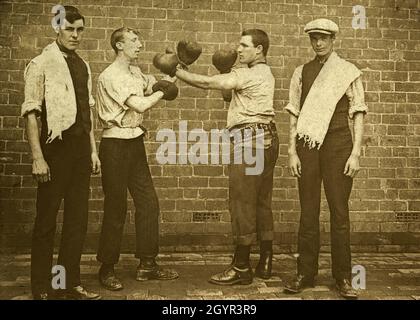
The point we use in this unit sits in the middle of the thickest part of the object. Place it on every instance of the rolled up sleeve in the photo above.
(34, 89)
(356, 95)
(295, 92)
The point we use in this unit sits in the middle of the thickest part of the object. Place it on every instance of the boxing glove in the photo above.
(169, 89)
(166, 63)
(224, 60)
(187, 53)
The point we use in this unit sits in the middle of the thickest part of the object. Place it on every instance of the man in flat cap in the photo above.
(323, 93)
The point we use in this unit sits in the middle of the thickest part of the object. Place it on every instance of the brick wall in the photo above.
(385, 191)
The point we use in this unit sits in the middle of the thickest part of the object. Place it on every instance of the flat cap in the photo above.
(321, 26)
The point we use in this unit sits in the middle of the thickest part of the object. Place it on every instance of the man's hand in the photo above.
(41, 170)
(294, 165)
(96, 163)
(352, 166)
(169, 78)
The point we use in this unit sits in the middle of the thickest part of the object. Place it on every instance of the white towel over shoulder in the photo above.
(328, 88)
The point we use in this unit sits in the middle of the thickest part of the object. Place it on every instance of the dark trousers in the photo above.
(250, 199)
(70, 168)
(325, 165)
(124, 166)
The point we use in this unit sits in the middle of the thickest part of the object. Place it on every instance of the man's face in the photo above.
(322, 43)
(246, 50)
(130, 45)
(70, 34)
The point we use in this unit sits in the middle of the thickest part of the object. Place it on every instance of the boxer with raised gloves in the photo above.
(169, 89)
(186, 53)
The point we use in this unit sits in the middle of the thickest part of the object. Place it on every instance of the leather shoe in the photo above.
(264, 266)
(346, 290)
(298, 284)
(155, 273)
(232, 275)
(109, 280)
(77, 293)
(41, 296)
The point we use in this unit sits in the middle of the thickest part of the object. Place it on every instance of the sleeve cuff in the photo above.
(29, 106)
(357, 108)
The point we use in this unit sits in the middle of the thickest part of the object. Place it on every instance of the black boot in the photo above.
(345, 289)
(298, 284)
(108, 278)
(148, 269)
(263, 269)
(239, 272)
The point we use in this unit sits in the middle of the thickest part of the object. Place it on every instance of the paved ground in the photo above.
(388, 276)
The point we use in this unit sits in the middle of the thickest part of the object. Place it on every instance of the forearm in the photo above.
(216, 82)
(92, 134)
(142, 104)
(292, 134)
(33, 136)
(358, 133)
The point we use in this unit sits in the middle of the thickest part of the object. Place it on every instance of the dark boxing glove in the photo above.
(224, 60)
(169, 89)
(166, 63)
(188, 51)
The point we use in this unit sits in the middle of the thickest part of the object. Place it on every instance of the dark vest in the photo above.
(339, 120)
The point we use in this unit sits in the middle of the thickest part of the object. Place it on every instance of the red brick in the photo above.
(394, 227)
(408, 172)
(226, 27)
(279, 8)
(393, 206)
(167, 3)
(197, 205)
(414, 205)
(28, 7)
(395, 119)
(393, 141)
(197, 4)
(207, 171)
(243, 17)
(405, 152)
(375, 54)
(414, 141)
(176, 217)
(381, 173)
(226, 5)
(413, 97)
(414, 184)
(210, 15)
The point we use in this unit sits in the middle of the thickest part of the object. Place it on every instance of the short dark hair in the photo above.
(118, 35)
(72, 14)
(259, 37)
